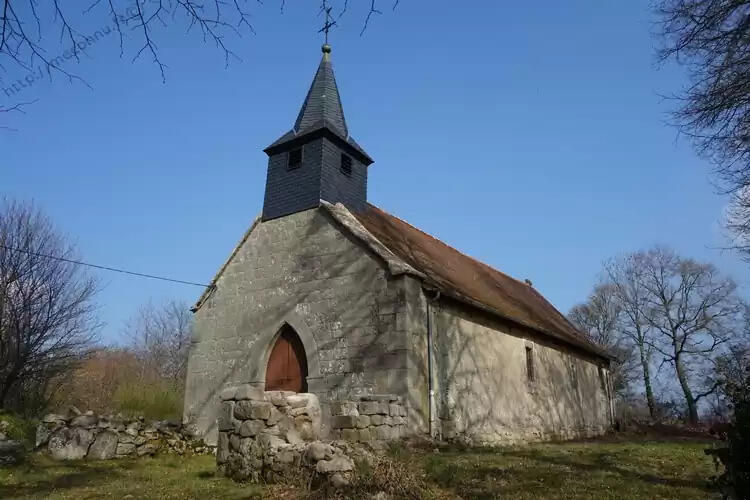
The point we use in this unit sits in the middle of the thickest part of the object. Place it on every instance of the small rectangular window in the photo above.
(530, 364)
(346, 165)
(294, 160)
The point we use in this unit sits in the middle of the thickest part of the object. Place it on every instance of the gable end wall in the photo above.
(305, 269)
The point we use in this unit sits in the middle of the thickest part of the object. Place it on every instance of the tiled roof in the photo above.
(467, 279)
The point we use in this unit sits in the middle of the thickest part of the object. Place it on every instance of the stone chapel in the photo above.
(328, 294)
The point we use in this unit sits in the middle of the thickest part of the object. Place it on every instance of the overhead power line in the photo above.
(106, 268)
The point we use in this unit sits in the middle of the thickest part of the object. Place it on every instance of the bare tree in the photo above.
(600, 319)
(694, 311)
(624, 275)
(160, 336)
(26, 26)
(47, 319)
(712, 39)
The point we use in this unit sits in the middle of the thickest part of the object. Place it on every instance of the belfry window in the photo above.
(346, 165)
(294, 160)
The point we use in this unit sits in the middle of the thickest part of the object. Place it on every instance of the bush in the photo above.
(19, 428)
(739, 440)
(154, 399)
(735, 456)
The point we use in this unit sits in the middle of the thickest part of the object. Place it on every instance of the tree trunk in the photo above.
(647, 382)
(692, 407)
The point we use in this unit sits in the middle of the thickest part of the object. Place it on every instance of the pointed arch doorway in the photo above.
(287, 363)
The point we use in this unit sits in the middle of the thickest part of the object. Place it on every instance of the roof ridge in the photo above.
(455, 249)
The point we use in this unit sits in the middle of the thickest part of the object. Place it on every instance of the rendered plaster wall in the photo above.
(482, 391)
(300, 269)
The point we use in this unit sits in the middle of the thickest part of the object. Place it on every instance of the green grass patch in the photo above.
(591, 470)
(599, 470)
(166, 476)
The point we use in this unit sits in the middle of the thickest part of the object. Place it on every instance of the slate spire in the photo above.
(317, 159)
(322, 106)
(322, 113)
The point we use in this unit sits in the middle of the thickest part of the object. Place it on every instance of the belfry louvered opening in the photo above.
(346, 165)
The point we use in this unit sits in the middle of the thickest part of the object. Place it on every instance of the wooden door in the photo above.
(287, 364)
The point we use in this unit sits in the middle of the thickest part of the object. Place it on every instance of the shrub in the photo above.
(19, 428)
(735, 456)
(153, 399)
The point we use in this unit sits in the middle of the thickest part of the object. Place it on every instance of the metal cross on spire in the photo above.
(329, 22)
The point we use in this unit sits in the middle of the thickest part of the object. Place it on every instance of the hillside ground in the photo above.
(614, 468)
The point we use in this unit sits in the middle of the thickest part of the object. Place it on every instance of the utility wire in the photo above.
(106, 268)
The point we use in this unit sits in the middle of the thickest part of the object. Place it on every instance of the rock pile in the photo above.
(102, 437)
(372, 418)
(11, 451)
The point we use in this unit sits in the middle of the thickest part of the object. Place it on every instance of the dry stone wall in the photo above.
(371, 418)
(102, 437)
(263, 435)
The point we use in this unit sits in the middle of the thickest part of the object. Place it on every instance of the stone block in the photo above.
(225, 420)
(298, 400)
(365, 436)
(70, 443)
(234, 442)
(275, 416)
(249, 392)
(222, 449)
(227, 393)
(339, 463)
(394, 409)
(369, 408)
(293, 437)
(349, 434)
(86, 421)
(273, 430)
(383, 432)
(295, 412)
(363, 421)
(344, 408)
(248, 409)
(376, 419)
(384, 408)
(278, 398)
(318, 451)
(270, 442)
(125, 448)
(250, 428)
(344, 422)
(104, 446)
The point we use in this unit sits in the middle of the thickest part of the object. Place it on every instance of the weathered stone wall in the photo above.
(482, 392)
(304, 271)
(263, 435)
(376, 417)
(102, 437)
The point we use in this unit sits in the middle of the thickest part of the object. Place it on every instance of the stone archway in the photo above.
(263, 346)
(287, 363)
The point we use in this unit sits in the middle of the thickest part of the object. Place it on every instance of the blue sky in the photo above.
(531, 138)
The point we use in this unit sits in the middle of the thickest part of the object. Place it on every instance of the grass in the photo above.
(162, 400)
(166, 476)
(601, 470)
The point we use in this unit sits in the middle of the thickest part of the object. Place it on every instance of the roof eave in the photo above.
(295, 140)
